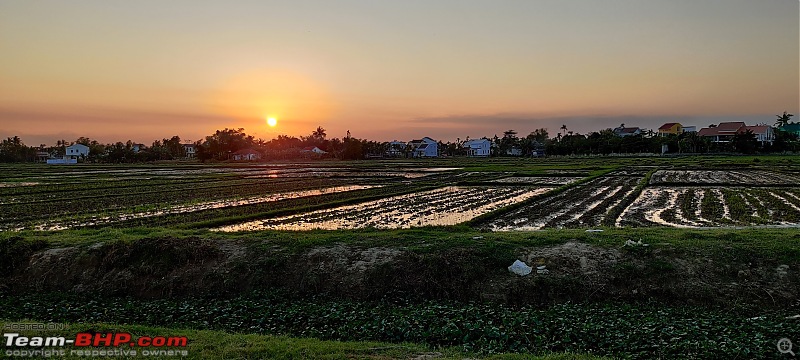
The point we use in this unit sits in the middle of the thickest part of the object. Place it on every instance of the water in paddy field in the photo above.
(445, 206)
(206, 206)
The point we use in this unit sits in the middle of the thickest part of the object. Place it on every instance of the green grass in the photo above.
(772, 243)
(208, 344)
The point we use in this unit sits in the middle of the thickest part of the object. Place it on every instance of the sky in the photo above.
(142, 70)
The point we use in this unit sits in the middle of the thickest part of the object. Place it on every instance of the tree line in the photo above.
(223, 144)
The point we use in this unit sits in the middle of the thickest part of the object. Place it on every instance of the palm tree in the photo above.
(564, 129)
(783, 120)
(319, 133)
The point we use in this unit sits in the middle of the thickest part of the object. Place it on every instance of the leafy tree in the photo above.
(745, 142)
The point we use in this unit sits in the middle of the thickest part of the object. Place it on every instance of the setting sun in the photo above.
(272, 122)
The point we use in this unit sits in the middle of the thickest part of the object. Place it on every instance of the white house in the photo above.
(425, 147)
(764, 133)
(478, 147)
(623, 131)
(190, 150)
(313, 149)
(246, 155)
(76, 151)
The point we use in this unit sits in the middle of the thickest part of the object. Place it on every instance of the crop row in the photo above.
(444, 206)
(713, 206)
(743, 177)
(584, 205)
(538, 180)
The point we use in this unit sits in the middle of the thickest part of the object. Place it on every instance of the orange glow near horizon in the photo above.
(251, 97)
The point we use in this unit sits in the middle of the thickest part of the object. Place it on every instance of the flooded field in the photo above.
(180, 209)
(742, 177)
(396, 195)
(446, 206)
(584, 205)
(713, 207)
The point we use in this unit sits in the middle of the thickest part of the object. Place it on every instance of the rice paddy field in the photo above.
(686, 257)
(501, 196)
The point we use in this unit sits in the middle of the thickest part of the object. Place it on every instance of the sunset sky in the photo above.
(142, 70)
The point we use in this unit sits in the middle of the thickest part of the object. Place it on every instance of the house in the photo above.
(690, 129)
(514, 151)
(76, 151)
(764, 133)
(190, 150)
(791, 128)
(623, 131)
(425, 147)
(670, 129)
(313, 149)
(396, 149)
(478, 147)
(723, 132)
(42, 156)
(246, 155)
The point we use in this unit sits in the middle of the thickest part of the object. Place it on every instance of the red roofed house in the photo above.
(764, 133)
(670, 129)
(723, 132)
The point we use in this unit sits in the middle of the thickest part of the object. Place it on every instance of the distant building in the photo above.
(478, 147)
(425, 147)
(190, 150)
(514, 151)
(313, 149)
(76, 151)
(689, 129)
(246, 155)
(670, 129)
(623, 131)
(764, 133)
(137, 147)
(42, 156)
(723, 132)
(396, 149)
(791, 128)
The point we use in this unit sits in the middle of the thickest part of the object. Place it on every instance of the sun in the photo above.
(272, 122)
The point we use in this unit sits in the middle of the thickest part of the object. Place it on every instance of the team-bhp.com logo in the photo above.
(94, 344)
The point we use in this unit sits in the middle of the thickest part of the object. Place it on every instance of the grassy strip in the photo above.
(725, 244)
(611, 216)
(208, 344)
(486, 218)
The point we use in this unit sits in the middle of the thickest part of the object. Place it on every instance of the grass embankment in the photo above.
(210, 344)
(772, 243)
